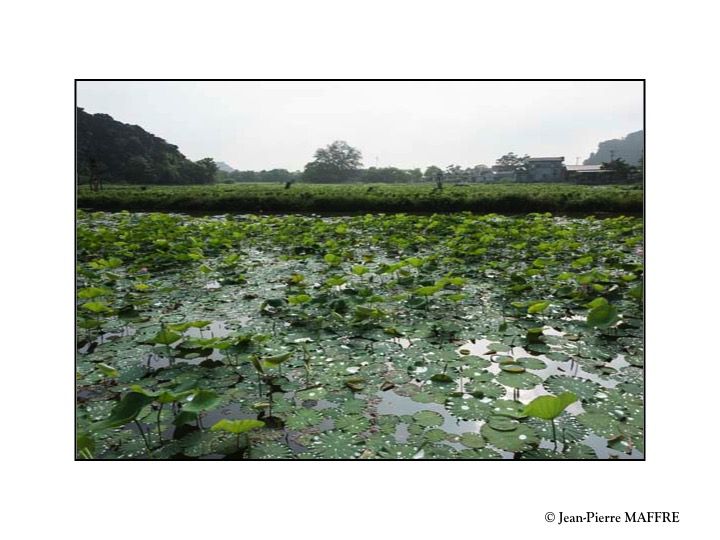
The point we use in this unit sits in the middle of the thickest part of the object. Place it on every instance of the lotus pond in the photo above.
(454, 336)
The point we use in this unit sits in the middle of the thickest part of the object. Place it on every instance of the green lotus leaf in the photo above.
(549, 407)
(237, 426)
(530, 362)
(477, 453)
(538, 307)
(567, 428)
(502, 423)
(435, 435)
(125, 411)
(303, 418)
(92, 292)
(202, 400)
(602, 316)
(352, 423)
(108, 370)
(467, 408)
(336, 445)
(164, 337)
(398, 451)
(512, 367)
(520, 439)
(97, 307)
(505, 407)
(579, 451)
(428, 418)
(472, 440)
(485, 390)
(584, 389)
(601, 424)
(270, 450)
(522, 381)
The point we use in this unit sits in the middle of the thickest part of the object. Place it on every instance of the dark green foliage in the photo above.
(505, 198)
(123, 153)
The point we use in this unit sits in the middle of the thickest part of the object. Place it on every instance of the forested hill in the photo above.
(629, 148)
(126, 153)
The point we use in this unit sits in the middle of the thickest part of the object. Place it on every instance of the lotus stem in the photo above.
(158, 423)
(142, 433)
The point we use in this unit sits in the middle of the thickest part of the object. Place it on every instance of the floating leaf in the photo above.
(428, 418)
(468, 408)
(582, 388)
(472, 440)
(517, 440)
(336, 445)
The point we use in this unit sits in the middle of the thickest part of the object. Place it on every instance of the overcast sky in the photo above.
(266, 125)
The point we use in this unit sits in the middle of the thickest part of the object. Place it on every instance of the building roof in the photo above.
(547, 159)
(586, 168)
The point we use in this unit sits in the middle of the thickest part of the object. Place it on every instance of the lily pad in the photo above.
(467, 408)
(428, 418)
(584, 389)
(522, 381)
(336, 445)
(472, 440)
(520, 439)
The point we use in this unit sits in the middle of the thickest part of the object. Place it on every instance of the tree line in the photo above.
(114, 152)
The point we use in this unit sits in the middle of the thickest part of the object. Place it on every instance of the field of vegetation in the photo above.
(400, 336)
(359, 198)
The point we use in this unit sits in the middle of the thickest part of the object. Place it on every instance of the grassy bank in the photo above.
(332, 198)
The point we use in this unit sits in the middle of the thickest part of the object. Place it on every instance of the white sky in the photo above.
(266, 125)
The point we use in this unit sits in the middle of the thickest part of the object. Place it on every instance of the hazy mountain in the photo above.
(121, 152)
(629, 148)
(224, 167)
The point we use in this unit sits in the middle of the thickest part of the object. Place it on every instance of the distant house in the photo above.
(589, 174)
(500, 172)
(545, 169)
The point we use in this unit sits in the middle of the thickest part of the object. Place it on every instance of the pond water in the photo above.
(411, 337)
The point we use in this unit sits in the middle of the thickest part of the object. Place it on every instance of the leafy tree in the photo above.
(336, 163)
(621, 169)
(454, 173)
(511, 161)
(207, 169)
(431, 173)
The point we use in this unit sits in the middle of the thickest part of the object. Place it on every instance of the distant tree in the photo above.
(138, 170)
(415, 175)
(336, 163)
(513, 162)
(454, 173)
(431, 173)
(439, 177)
(207, 169)
(621, 169)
